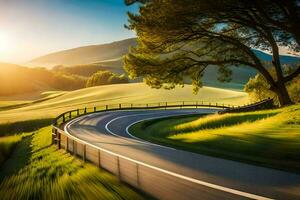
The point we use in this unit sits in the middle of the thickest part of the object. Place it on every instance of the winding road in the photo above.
(218, 178)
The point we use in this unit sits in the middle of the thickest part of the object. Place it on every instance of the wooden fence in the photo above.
(155, 181)
(261, 105)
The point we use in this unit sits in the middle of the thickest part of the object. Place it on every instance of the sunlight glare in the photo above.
(5, 42)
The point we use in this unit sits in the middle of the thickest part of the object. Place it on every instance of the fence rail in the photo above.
(66, 116)
(261, 105)
(158, 182)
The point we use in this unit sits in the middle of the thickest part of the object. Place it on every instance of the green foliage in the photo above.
(259, 89)
(105, 78)
(270, 137)
(179, 39)
(48, 173)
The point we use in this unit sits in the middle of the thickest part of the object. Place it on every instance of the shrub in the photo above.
(105, 78)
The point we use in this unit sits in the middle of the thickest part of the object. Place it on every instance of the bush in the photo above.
(258, 88)
(105, 78)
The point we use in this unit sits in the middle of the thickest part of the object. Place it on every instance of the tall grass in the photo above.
(225, 120)
(269, 138)
(7, 144)
(23, 126)
(49, 173)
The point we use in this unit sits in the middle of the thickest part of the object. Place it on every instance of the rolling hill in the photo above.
(115, 94)
(109, 57)
(85, 55)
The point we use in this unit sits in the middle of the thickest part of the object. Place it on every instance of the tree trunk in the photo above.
(282, 93)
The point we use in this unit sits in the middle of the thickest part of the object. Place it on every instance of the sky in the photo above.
(31, 28)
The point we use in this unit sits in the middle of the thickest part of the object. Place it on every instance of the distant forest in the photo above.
(17, 79)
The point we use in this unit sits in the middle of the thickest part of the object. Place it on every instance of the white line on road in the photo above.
(210, 185)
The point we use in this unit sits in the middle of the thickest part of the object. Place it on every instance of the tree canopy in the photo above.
(178, 39)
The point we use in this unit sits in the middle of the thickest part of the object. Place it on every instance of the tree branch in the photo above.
(292, 75)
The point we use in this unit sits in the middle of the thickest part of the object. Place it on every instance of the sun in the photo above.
(5, 42)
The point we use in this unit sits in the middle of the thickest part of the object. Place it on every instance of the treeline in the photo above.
(18, 80)
(86, 70)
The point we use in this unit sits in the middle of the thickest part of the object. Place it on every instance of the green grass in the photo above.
(38, 170)
(7, 144)
(115, 94)
(270, 138)
(23, 126)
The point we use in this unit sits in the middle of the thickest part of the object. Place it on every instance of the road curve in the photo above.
(109, 130)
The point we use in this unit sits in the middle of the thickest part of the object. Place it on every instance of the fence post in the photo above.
(64, 119)
(70, 115)
(147, 105)
(99, 158)
(54, 135)
(106, 107)
(59, 141)
(85, 110)
(77, 112)
(137, 175)
(74, 147)
(67, 144)
(120, 106)
(84, 152)
(131, 105)
(118, 165)
(95, 109)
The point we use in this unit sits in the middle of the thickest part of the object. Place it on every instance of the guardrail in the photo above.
(261, 105)
(62, 118)
(158, 182)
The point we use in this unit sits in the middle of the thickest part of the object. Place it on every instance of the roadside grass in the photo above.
(115, 94)
(23, 126)
(7, 144)
(269, 138)
(38, 170)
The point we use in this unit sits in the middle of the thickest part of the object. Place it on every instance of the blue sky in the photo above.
(30, 28)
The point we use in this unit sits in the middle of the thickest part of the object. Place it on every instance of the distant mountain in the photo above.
(109, 57)
(285, 59)
(85, 55)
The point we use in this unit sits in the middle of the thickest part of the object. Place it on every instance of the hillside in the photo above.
(115, 94)
(109, 57)
(19, 80)
(85, 55)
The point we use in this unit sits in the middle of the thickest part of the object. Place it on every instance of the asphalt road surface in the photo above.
(109, 130)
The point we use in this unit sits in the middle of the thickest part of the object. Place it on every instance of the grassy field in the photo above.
(48, 173)
(7, 145)
(115, 94)
(270, 138)
(38, 170)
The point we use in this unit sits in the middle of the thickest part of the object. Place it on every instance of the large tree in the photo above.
(178, 39)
